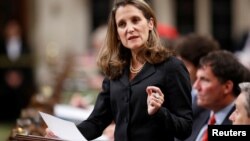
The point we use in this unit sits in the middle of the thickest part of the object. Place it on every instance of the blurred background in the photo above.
(59, 41)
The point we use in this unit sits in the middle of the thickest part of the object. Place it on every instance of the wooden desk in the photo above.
(30, 122)
(32, 138)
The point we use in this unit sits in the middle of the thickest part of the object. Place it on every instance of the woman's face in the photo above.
(132, 27)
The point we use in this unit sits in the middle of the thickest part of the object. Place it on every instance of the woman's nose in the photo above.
(130, 28)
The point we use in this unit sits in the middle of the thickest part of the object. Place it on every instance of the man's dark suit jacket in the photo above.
(202, 119)
(125, 102)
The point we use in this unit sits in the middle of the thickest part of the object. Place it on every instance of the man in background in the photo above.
(16, 70)
(217, 84)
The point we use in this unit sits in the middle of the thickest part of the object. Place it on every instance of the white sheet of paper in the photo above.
(72, 113)
(63, 129)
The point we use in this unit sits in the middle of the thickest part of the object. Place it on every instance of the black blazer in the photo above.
(125, 102)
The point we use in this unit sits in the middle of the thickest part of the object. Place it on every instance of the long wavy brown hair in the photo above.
(113, 57)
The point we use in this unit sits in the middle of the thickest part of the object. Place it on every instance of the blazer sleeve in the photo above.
(101, 115)
(176, 112)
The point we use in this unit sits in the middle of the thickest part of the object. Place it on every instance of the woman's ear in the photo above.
(151, 24)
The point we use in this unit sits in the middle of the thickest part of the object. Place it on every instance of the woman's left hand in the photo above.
(155, 99)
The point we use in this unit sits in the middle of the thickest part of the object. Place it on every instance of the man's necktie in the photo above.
(211, 121)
